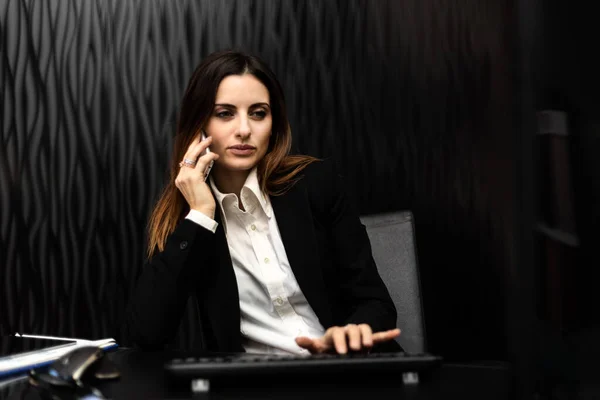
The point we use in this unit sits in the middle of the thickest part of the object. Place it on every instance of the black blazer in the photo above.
(329, 253)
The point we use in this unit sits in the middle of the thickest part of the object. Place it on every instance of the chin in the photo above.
(245, 165)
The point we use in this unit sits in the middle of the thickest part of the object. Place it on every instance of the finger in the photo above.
(200, 162)
(193, 144)
(200, 146)
(312, 345)
(338, 336)
(386, 335)
(353, 332)
(367, 335)
(189, 173)
(205, 161)
(305, 343)
(191, 149)
(196, 148)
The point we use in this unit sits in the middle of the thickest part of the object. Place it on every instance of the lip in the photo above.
(242, 149)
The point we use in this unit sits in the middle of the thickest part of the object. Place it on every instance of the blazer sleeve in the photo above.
(363, 297)
(158, 302)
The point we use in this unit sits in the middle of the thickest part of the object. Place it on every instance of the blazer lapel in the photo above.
(295, 222)
(223, 298)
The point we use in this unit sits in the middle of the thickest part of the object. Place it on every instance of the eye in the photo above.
(224, 114)
(258, 114)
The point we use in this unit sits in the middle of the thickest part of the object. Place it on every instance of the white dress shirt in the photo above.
(273, 309)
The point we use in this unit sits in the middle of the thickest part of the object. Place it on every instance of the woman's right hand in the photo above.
(190, 180)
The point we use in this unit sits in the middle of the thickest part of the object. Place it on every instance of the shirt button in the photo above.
(267, 260)
(253, 227)
(278, 301)
(183, 245)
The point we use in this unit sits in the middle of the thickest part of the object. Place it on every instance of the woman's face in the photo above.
(240, 124)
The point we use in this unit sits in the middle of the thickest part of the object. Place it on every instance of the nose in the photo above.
(244, 128)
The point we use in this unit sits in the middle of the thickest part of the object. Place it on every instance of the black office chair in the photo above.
(394, 250)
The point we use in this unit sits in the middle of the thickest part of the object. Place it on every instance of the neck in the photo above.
(230, 181)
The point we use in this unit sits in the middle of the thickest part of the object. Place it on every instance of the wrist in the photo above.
(208, 211)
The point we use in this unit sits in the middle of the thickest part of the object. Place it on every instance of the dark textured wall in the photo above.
(412, 98)
(568, 79)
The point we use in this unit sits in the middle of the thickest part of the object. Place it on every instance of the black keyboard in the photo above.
(259, 364)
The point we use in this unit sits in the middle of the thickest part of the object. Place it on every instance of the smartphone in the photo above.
(209, 167)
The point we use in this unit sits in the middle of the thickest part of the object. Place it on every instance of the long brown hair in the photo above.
(277, 171)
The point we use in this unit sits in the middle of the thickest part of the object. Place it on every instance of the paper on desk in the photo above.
(39, 358)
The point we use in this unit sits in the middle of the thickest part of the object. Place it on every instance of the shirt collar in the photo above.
(251, 188)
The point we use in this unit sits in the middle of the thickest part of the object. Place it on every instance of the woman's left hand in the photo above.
(339, 338)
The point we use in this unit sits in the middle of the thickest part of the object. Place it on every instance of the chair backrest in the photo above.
(394, 250)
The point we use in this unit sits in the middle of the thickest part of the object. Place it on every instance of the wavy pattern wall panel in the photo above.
(399, 92)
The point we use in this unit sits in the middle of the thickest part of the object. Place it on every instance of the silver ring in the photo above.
(188, 163)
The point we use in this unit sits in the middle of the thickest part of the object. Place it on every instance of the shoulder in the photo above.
(322, 176)
(320, 180)
(325, 185)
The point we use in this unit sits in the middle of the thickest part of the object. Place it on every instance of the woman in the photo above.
(269, 245)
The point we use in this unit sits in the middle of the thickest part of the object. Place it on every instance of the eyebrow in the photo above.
(252, 106)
